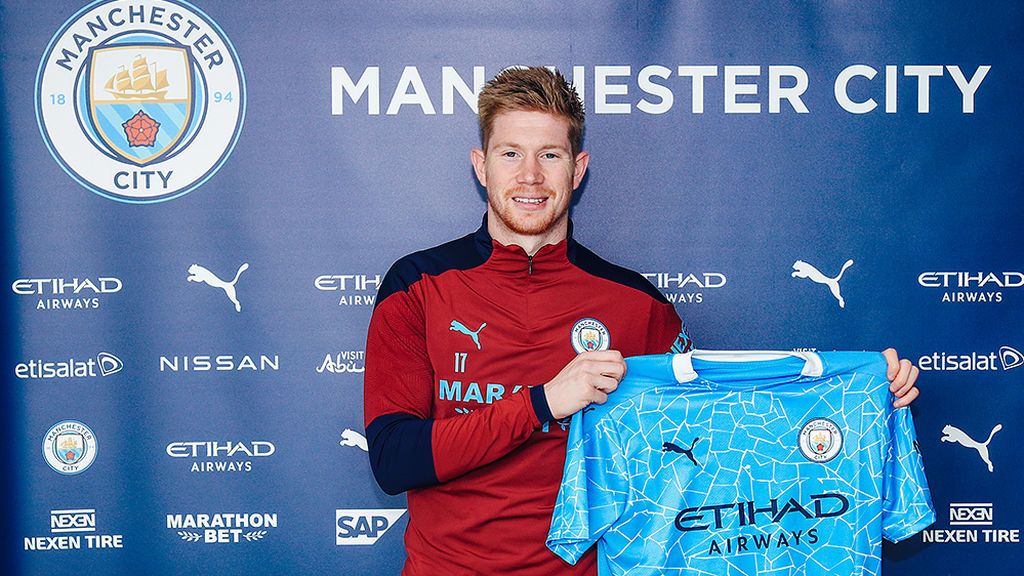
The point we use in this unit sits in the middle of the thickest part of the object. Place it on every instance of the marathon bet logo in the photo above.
(213, 456)
(104, 364)
(1007, 358)
(351, 361)
(67, 293)
(140, 102)
(230, 528)
(971, 514)
(966, 287)
(680, 288)
(69, 530)
(364, 527)
(220, 363)
(356, 289)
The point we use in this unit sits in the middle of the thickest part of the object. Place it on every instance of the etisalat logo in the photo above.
(213, 456)
(735, 515)
(680, 288)
(70, 529)
(104, 364)
(67, 293)
(970, 287)
(355, 289)
(348, 361)
(1007, 358)
(228, 528)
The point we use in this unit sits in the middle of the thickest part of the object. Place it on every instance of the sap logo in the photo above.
(976, 514)
(802, 269)
(73, 520)
(364, 527)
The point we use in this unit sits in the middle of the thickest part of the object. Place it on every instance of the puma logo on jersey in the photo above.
(474, 334)
(197, 273)
(670, 447)
(350, 437)
(953, 434)
(802, 269)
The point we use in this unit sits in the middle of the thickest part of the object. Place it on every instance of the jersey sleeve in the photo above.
(407, 448)
(594, 490)
(666, 332)
(907, 507)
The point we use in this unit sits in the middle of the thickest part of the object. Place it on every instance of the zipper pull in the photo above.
(529, 269)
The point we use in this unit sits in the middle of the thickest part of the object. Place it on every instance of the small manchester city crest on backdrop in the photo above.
(69, 447)
(140, 102)
(589, 334)
(820, 440)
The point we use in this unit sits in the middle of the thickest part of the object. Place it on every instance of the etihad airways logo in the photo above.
(67, 293)
(104, 364)
(356, 289)
(971, 287)
(1007, 358)
(213, 456)
(680, 288)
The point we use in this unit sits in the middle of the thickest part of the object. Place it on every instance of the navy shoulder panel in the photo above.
(593, 264)
(459, 254)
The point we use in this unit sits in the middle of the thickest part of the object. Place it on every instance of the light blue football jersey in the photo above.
(742, 464)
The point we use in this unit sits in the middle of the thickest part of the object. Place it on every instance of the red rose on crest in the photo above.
(141, 130)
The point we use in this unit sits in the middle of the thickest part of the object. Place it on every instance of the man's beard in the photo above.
(504, 210)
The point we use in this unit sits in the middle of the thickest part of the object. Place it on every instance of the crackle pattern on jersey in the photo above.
(749, 470)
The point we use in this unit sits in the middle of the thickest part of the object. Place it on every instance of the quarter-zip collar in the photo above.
(512, 259)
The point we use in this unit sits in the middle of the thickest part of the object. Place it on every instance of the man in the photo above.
(479, 348)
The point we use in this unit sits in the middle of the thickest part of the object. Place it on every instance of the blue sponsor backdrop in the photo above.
(884, 134)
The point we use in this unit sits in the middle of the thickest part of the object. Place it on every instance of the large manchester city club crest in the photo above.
(140, 102)
(140, 99)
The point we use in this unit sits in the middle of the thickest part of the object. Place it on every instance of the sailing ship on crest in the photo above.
(144, 81)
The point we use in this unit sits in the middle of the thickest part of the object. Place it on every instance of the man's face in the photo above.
(530, 174)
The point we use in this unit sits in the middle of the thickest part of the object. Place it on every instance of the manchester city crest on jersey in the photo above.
(589, 334)
(820, 440)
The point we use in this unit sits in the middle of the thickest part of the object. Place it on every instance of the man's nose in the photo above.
(530, 171)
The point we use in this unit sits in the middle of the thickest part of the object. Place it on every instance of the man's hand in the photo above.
(902, 375)
(586, 380)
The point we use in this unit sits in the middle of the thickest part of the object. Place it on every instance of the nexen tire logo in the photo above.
(364, 527)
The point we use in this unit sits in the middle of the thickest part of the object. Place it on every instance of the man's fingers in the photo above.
(893, 361)
(606, 384)
(598, 397)
(909, 384)
(905, 368)
(907, 399)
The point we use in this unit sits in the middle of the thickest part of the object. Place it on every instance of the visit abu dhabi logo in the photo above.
(140, 102)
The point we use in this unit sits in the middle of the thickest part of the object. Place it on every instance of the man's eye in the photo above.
(509, 154)
(550, 156)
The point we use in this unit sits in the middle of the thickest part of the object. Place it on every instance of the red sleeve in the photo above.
(408, 449)
(666, 331)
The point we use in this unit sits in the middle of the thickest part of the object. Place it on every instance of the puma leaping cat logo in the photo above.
(475, 335)
(350, 437)
(954, 434)
(670, 447)
(802, 269)
(197, 273)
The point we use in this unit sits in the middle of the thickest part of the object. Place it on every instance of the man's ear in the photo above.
(579, 168)
(477, 157)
